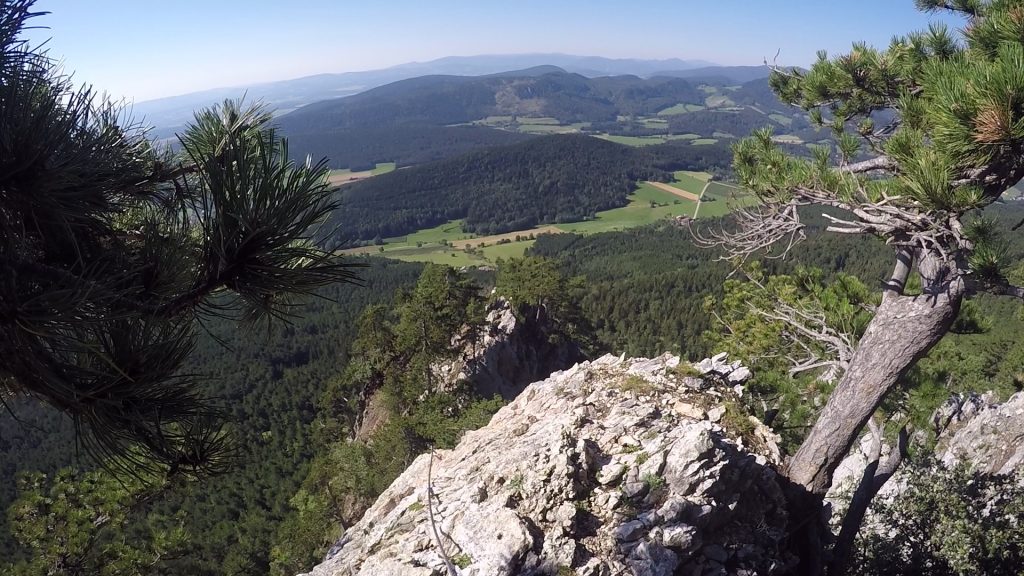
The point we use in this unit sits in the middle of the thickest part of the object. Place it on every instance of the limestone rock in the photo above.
(509, 353)
(990, 437)
(586, 471)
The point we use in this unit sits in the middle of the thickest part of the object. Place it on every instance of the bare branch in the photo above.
(878, 163)
(998, 287)
(807, 329)
(758, 230)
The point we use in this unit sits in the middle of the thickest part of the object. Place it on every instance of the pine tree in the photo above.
(928, 131)
(112, 251)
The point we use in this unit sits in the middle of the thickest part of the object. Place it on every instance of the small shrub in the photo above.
(946, 521)
(515, 483)
(634, 383)
(653, 482)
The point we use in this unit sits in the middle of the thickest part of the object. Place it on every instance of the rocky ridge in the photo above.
(508, 353)
(616, 466)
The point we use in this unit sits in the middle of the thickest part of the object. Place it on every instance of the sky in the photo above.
(145, 49)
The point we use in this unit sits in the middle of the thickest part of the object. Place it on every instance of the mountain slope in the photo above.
(166, 114)
(446, 100)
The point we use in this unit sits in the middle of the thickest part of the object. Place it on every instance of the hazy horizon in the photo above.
(143, 51)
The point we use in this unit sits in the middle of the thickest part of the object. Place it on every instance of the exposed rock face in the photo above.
(611, 467)
(501, 358)
(971, 428)
(990, 439)
(510, 353)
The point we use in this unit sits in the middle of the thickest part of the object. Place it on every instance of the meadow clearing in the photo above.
(692, 194)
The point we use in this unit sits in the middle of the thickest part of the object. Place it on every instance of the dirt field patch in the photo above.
(346, 177)
(491, 240)
(673, 190)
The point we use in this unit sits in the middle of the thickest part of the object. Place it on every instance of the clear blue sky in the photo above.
(143, 49)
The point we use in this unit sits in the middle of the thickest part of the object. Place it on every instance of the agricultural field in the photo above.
(647, 205)
(692, 182)
(339, 177)
(718, 101)
(546, 129)
(719, 199)
(650, 203)
(648, 140)
(680, 109)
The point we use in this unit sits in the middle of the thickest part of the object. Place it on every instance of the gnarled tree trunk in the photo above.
(903, 330)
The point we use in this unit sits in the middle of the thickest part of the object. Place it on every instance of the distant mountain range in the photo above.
(167, 115)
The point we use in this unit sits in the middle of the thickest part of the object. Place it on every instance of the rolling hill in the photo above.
(436, 117)
(171, 113)
(536, 92)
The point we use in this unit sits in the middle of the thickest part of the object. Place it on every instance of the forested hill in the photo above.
(363, 148)
(545, 180)
(445, 100)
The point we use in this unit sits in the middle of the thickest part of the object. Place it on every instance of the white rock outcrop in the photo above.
(611, 467)
(988, 436)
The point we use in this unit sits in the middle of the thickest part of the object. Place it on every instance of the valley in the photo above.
(690, 194)
(634, 292)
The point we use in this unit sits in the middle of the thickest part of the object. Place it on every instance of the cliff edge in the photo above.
(613, 466)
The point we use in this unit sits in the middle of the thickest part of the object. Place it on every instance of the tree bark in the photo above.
(903, 330)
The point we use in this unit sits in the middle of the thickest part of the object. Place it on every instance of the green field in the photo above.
(647, 205)
(718, 101)
(689, 182)
(638, 212)
(719, 199)
(546, 129)
(382, 168)
(544, 120)
(511, 250)
(680, 109)
(647, 140)
(704, 141)
(702, 176)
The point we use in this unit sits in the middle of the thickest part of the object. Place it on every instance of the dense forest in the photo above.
(363, 148)
(544, 180)
(268, 382)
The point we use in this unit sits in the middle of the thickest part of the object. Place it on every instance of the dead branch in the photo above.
(759, 229)
(876, 474)
(807, 330)
(430, 516)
